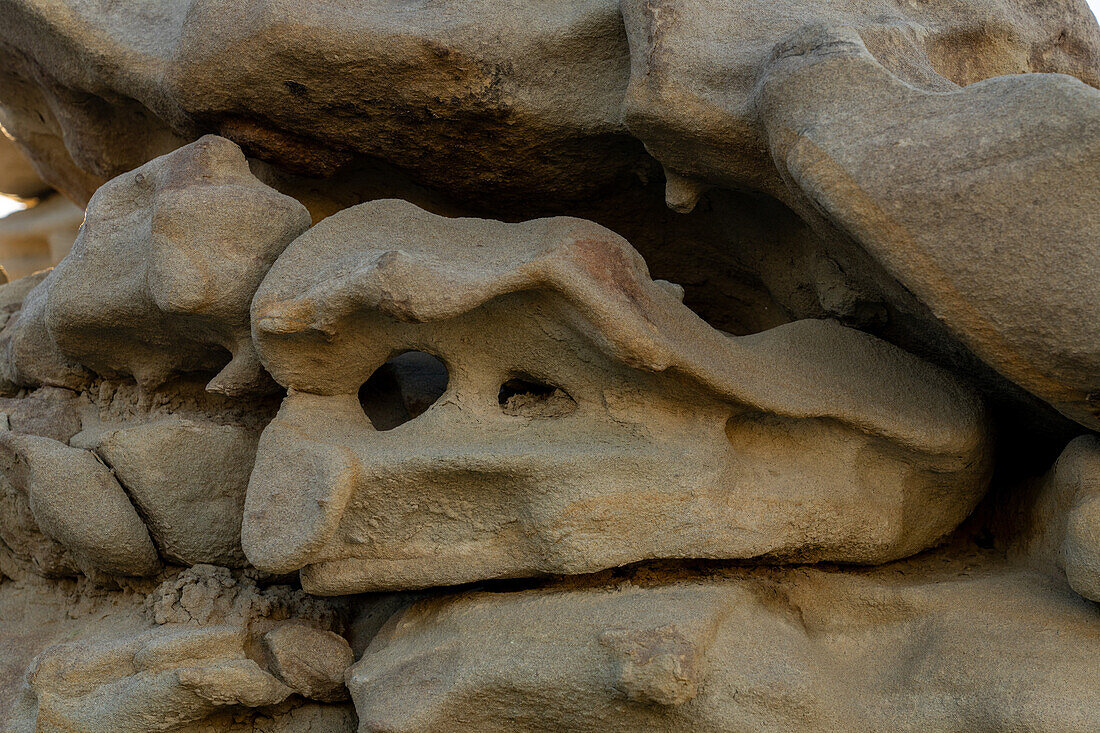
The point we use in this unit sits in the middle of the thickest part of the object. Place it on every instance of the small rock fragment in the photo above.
(682, 194)
(310, 661)
(659, 666)
(928, 644)
(49, 412)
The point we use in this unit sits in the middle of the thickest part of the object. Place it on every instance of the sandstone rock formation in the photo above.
(608, 365)
(1062, 518)
(55, 480)
(312, 662)
(191, 670)
(169, 466)
(542, 105)
(940, 644)
(161, 277)
(643, 393)
(557, 107)
(823, 102)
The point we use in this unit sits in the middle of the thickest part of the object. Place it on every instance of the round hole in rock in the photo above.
(403, 388)
(527, 397)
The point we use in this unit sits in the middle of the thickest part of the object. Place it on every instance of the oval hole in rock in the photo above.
(403, 388)
(527, 397)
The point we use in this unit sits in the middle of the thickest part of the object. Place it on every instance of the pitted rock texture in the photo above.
(157, 681)
(313, 89)
(39, 613)
(634, 430)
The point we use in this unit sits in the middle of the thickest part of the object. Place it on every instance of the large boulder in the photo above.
(526, 109)
(937, 644)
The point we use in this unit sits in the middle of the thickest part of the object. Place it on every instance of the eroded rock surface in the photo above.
(724, 319)
(157, 681)
(188, 480)
(192, 671)
(415, 68)
(480, 98)
(590, 419)
(76, 501)
(916, 646)
(840, 127)
(1055, 521)
(696, 67)
(160, 278)
(312, 662)
(523, 109)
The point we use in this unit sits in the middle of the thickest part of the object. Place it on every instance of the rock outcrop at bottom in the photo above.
(949, 642)
(215, 652)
